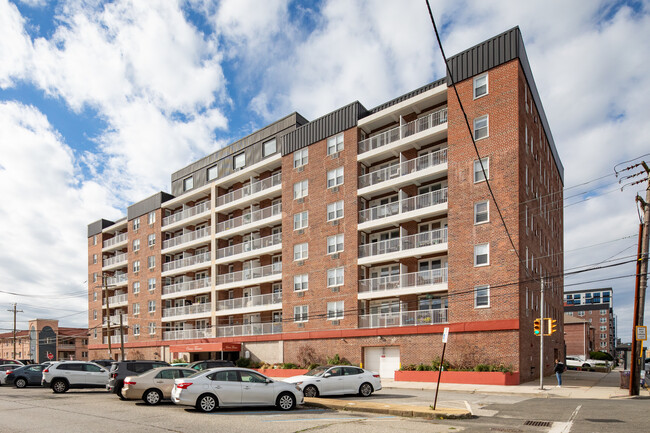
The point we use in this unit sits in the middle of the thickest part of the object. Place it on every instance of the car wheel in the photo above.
(585, 365)
(152, 397)
(20, 382)
(286, 401)
(118, 391)
(59, 386)
(311, 391)
(206, 403)
(365, 389)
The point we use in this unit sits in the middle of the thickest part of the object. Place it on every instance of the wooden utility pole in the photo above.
(13, 310)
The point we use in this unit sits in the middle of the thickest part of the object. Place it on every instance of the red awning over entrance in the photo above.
(206, 347)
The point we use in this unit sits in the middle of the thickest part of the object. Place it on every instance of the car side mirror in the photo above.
(268, 380)
(327, 375)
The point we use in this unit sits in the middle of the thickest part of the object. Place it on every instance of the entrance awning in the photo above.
(206, 347)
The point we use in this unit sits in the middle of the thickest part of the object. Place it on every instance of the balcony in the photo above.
(405, 318)
(250, 221)
(408, 209)
(187, 215)
(187, 334)
(255, 191)
(186, 240)
(117, 300)
(254, 248)
(117, 280)
(404, 173)
(65, 347)
(194, 262)
(404, 284)
(187, 288)
(270, 301)
(115, 241)
(115, 320)
(188, 310)
(115, 339)
(402, 136)
(434, 241)
(249, 329)
(249, 277)
(117, 261)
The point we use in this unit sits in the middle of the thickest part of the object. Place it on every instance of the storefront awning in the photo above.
(206, 347)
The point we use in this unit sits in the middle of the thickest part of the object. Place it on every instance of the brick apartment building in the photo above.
(579, 336)
(362, 233)
(596, 306)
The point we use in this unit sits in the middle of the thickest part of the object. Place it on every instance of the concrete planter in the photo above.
(468, 377)
(281, 372)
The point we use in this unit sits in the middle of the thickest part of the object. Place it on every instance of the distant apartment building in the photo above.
(363, 233)
(596, 306)
(45, 337)
(579, 336)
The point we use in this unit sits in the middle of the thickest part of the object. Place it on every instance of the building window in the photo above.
(152, 328)
(603, 336)
(479, 176)
(152, 306)
(136, 244)
(213, 172)
(152, 217)
(335, 310)
(151, 261)
(239, 161)
(269, 148)
(94, 259)
(481, 255)
(136, 287)
(481, 297)
(300, 220)
(300, 157)
(603, 328)
(136, 309)
(94, 277)
(188, 183)
(300, 282)
(136, 224)
(300, 189)
(151, 239)
(136, 266)
(335, 277)
(481, 127)
(481, 212)
(335, 144)
(94, 239)
(335, 210)
(94, 314)
(603, 344)
(581, 313)
(603, 320)
(94, 296)
(603, 312)
(151, 284)
(334, 244)
(480, 86)
(136, 329)
(300, 251)
(301, 313)
(335, 177)
(94, 333)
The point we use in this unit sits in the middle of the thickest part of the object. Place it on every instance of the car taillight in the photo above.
(47, 370)
(129, 383)
(183, 385)
(9, 371)
(375, 375)
(113, 375)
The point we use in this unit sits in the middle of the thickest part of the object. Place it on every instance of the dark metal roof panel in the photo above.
(147, 205)
(406, 96)
(97, 227)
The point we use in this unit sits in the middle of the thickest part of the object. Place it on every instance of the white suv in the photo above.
(61, 376)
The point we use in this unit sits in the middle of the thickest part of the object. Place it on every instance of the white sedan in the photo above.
(338, 379)
(231, 386)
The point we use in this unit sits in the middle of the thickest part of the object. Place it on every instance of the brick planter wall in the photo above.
(470, 377)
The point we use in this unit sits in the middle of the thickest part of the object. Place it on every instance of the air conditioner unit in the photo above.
(335, 189)
(300, 169)
(300, 263)
(335, 256)
(300, 294)
(336, 289)
(335, 222)
(335, 322)
(300, 200)
(335, 155)
(299, 232)
(301, 325)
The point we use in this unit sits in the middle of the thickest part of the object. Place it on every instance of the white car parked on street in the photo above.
(337, 379)
(231, 386)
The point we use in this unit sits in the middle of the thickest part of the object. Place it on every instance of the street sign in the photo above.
(50, 356)
(641, 333)
(445, 335)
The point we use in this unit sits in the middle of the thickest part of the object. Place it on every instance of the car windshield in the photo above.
(318, 371)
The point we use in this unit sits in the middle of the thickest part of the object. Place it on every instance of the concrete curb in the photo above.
(390, 409)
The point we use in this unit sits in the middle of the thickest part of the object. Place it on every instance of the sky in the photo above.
(101, 101)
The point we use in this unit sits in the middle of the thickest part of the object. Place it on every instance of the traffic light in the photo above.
(552, 326)
(538, 326)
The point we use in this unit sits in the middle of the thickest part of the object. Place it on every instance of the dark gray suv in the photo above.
(121, 369)
(210, 363)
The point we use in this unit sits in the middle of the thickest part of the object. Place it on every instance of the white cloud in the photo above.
(15, 45)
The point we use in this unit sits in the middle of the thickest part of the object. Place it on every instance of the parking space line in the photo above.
(329, 419)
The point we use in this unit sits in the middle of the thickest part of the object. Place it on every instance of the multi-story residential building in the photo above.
(363, 233)
(579, 336)
(597, 307)
(45, 337)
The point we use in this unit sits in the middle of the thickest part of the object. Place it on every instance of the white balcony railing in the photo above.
(116, 259)
(115, 240)
(405, 318)
(250, 189)
(252, 245)
(249, 274)
(187, 237)
(187, 261)
(187, 334)
(187, 213)
(403, 281)
(403, 168)
(188, 309)
(118, 299)
(186, 286)
(425, 239)
(249, 329)
(250, 301)
(405, 205)
(117, 279)
(115, 339)
(251, 217)
(115, 320)
(423, 123)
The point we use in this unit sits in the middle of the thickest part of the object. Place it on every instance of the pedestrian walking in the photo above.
(559, 369)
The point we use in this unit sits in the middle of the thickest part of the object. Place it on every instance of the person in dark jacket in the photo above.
(559, 369)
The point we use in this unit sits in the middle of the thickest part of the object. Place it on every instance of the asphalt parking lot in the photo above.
(40, 410)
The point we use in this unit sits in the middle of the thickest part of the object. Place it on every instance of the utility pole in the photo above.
(541, 337)
(108, 318)
(15, 311)
(121, 337)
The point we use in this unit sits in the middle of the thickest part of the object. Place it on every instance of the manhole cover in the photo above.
(538, 423)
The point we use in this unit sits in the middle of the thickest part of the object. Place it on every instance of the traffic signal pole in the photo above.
(541, 337)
